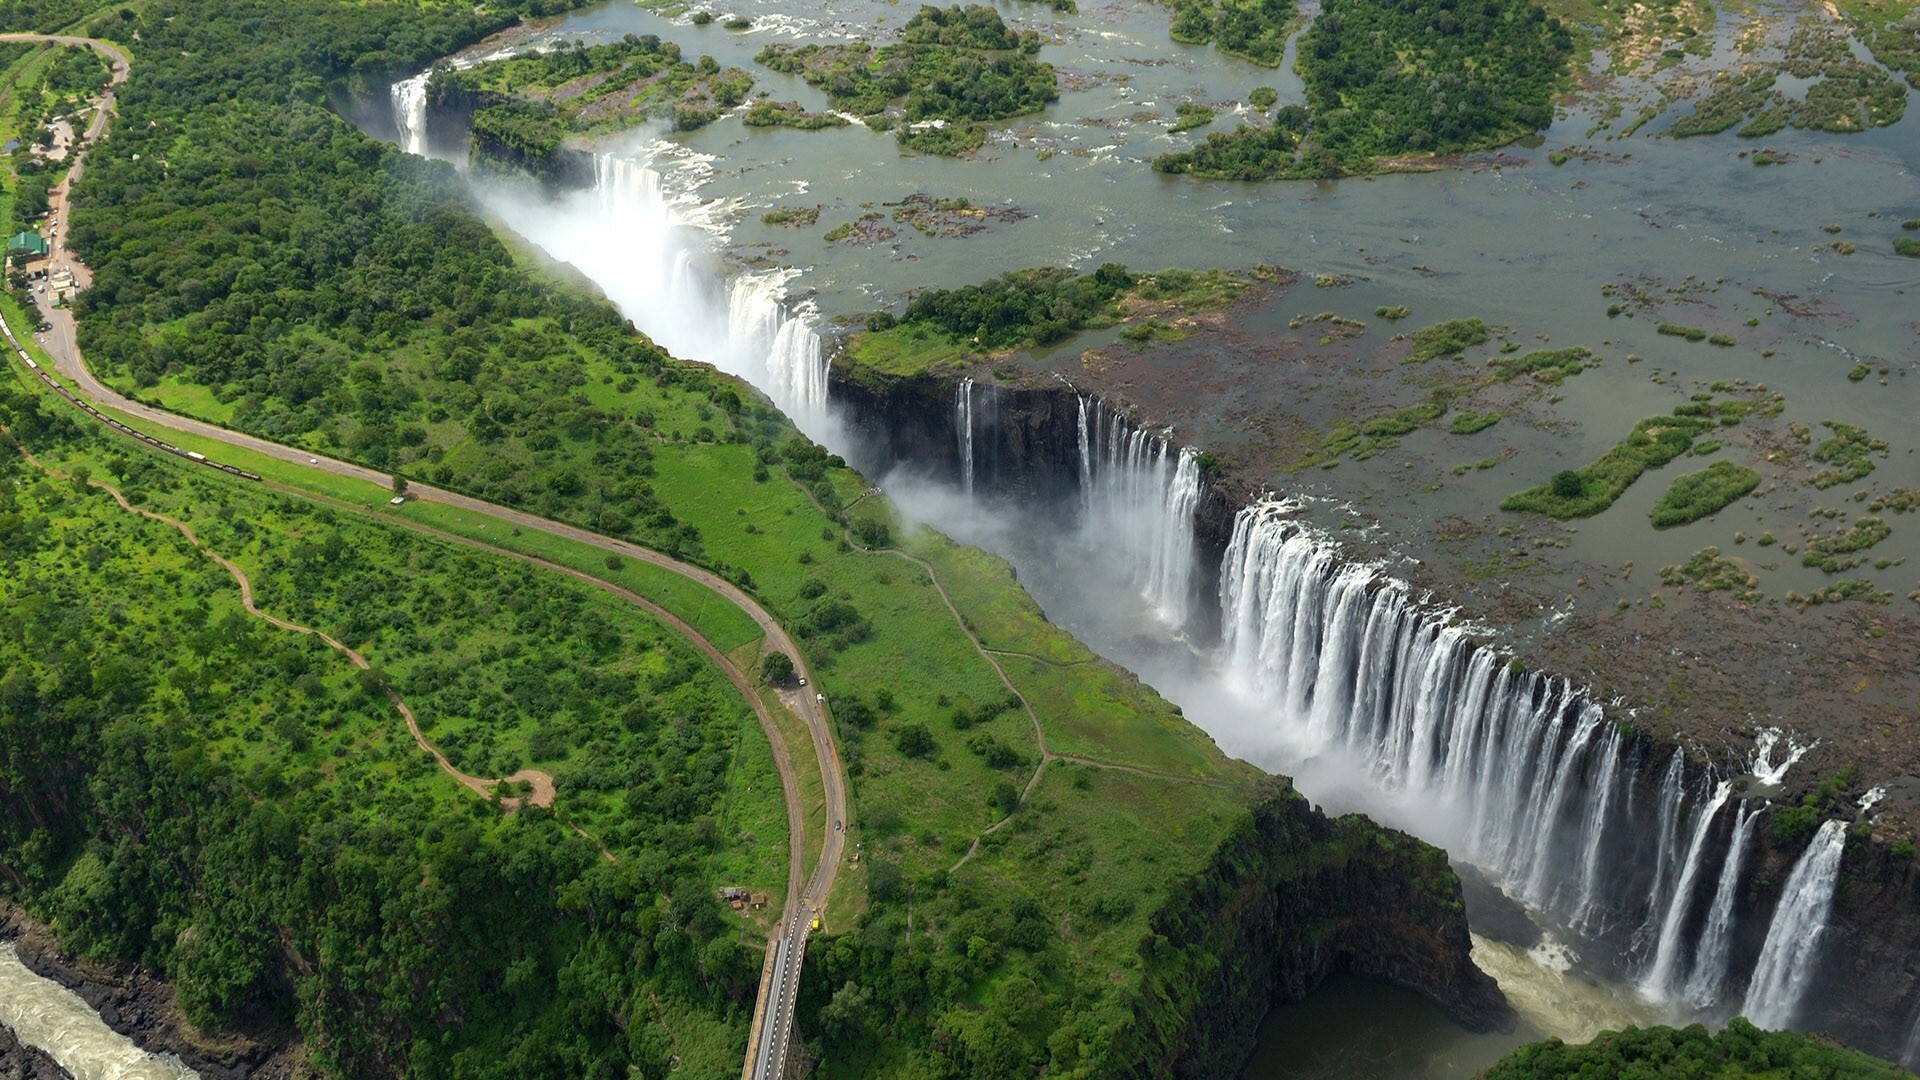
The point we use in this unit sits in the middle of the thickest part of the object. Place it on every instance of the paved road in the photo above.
(773, 1016)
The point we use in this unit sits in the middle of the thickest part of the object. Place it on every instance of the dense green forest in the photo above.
(952, 70)
(340, 295)
(1385, 80)
(327, 873)
(1740, 1052)
(1255, 30)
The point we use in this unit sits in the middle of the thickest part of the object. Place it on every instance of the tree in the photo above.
(1006, 797)
(1568, 485)
(777, 669)
(399, 484)
(915, 741)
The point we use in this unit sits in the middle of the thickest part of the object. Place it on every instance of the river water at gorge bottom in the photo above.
(45, 1015)
(1519, 241)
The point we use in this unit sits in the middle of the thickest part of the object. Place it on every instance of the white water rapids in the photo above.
(45, 1015)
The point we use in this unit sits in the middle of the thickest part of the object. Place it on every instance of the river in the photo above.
(45, 1015)
(1514, 239)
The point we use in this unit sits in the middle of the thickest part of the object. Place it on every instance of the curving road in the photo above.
(773, 1015)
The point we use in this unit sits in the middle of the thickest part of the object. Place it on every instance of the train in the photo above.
(87, 407)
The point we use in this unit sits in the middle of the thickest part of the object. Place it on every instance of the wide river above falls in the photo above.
(1511, 238)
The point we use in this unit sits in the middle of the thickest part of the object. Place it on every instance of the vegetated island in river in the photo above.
(1056, 870)
(1398, 86)
(953, 71)
(525, 109)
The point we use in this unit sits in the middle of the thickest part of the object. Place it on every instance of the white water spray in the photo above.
(45, 1015)
(1662, 975)
(1763, 768)
(1707, 981)
(645, 236)
(1786, 960)
(1594, 834)
(1139, 493)
(963, 424)
(409, 97)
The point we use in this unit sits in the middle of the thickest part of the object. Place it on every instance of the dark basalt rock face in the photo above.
(1291, 898)
(19, 1061)
(1866, 990)
(138, 1004)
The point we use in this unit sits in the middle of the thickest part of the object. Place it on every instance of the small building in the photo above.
(758, 901)
(27, 247)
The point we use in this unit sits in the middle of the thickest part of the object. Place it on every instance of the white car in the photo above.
(313, 461)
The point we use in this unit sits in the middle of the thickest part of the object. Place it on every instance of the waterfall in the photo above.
(45, 1015)
(1765, 771)
(1593, 833)
(1707, 982)
(409, 97)
(1661, 975)
(1666, 836)
(648, 240)
(1787, 959)
(1507, 768)
(1138, 495)
(963, 426)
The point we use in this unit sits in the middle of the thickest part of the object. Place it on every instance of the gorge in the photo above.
(1271, 622)
(1633, 852)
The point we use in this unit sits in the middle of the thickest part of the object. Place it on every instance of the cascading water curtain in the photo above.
(1525, 768)
(1139, 493)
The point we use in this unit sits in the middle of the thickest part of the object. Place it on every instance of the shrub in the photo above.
(1704, 493)
(1263, 97)
(1691, 333)
(1906, 245)
(1446, 339)
(1469, 423)
(915, 741)
(1652, 443)
(1567, 484)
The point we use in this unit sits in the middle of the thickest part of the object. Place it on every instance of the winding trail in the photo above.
(1047, 754)
(771, 1031)
(540, 784)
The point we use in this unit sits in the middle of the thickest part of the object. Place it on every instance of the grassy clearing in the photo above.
(1701, 494)
(904, 350)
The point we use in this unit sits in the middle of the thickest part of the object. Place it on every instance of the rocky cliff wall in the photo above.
(1866, 989)
(138, 1004)
(1290, 898)
(21, 1062)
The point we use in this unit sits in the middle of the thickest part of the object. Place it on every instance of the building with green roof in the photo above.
(27, 246)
